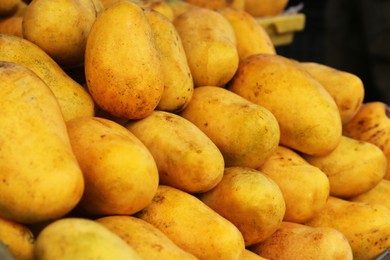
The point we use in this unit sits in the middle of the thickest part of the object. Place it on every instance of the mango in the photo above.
(41, 178)
(307, 114)
(73, 98)
(122, 65)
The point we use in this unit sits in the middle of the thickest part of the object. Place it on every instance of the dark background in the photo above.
(350, 35)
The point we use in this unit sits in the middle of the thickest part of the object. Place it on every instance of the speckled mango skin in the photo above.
(122, 65)
(245, 133)
(74, 100)
(372, 124)
(346, 88)
(366, 226)
(210, 46)
(308, 116)
(193, 226)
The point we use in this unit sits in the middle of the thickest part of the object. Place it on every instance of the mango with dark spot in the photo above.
(372, 124)
(120, 173)
(353, 168)
(347, 89)
(74, 100)
(178, 82)
(245, 133)
(122, 65)
(308, 116)
(365, 225)
(193, 226)
(186, 157)
(210, 46)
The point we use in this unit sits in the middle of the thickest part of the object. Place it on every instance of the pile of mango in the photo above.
(174, 130)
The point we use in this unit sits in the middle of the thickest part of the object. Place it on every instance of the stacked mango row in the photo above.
(174, 130)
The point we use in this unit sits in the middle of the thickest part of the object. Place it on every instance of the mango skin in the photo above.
(160, 6)
(147, 240)
(249, 199)
(41, 178)
(380, 194)
(346, 88)
(366, 226)
(353, 168)
(299, 241)
(185, 156)
(12, 25)
(121, 175)
(210, 46)
(80, 238)
(372, 124)
(245, 133)
(178, 82)
(251, 37)
(308, 116)
(74, 100)
(17, 238)
(291, 172)
(192, 225)
(249, 255)
(44, 24)
(122, 69)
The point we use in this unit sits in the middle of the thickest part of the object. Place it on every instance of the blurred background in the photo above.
(350, 35)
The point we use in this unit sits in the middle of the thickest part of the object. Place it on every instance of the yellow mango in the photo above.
(17, 238)
(251, 37)
(292, 173)
(308, 116)
(245, 133)
(178, 83)
(79, 238)
(74, 100)
(249, 255)
(12, 25)
(185, 156)
(249, 199)
(147, 240)
(366, 226)
(347, 89)
(60, 28)
(160, 6)
(120, 173)
(192, 225)
(263, 8)
(210, 46)
(122, 64)
(380, 194)
(41, 178)
(372, 124)
(179, 6)
(353, 168)
(298, 241)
